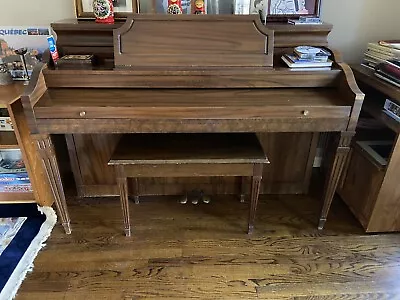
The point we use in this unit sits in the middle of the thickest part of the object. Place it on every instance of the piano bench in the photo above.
(188, 155)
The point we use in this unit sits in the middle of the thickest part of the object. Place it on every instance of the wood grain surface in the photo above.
(202, 252)
(191, 104)
(207, 148)
(83, 36)
(10, 93)
(199, 77)
(184, 40)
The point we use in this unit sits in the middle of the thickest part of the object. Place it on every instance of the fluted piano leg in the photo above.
(342, 149)
(255, 191)
(123, 194)
(46, 151)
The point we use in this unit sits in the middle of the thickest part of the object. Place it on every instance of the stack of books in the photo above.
(380, 52)
(306, 58)
(389, 71)
(302, 20)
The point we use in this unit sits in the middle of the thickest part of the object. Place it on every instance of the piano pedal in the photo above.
(196, 196)
(184, 199)
(206, 199)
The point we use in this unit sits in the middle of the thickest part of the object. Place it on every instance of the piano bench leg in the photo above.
(123, 192)
(243, 190)
(255, 191)
(136, 190)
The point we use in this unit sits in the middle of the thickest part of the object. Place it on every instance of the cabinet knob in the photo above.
(305, 112)
(82, 113)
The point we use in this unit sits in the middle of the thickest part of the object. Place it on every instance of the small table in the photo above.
(188, 155)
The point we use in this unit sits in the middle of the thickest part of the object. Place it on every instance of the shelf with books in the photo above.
(307, 58)
(367, 76)
(370, 182)
(18, 153)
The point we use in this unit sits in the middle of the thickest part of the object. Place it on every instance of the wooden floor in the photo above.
(202, 252)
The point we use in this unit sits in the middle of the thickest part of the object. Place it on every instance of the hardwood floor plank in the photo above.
(202, 252)
(359, 296)
(334, 288)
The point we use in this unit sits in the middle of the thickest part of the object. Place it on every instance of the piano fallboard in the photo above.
(177, 110)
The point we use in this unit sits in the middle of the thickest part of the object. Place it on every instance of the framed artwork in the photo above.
(281, 10)
(84, 8)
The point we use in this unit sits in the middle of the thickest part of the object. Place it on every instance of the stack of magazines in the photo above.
(306, 58)
(389, 71)
(380, 52)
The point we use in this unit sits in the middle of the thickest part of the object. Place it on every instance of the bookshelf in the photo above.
(19, 140)
(369, 187)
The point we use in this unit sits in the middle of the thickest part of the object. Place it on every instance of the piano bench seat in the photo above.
(188, 155)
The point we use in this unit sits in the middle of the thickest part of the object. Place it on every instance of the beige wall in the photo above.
(355, 21)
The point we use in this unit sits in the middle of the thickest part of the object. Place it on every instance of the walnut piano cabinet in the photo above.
(19, 138)
(248, 90)
(289, 172)
(370, 188)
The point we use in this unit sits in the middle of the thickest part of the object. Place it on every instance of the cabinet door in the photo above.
(361, 186)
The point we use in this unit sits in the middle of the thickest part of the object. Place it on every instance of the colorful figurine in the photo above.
(103, 11)
(199, 7)
(174, 7)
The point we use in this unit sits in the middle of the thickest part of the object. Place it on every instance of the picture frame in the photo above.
(122, 8)
(282, 10)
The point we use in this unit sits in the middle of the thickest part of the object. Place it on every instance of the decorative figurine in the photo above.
(103, 11)
(174, 7)
(199, 7)
(5, 76)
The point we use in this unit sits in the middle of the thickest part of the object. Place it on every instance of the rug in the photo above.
(24, 228)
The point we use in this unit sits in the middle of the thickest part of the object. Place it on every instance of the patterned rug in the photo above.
(23, 230)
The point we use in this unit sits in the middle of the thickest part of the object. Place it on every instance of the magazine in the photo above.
(13, 38)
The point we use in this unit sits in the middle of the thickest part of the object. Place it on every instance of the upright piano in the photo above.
(192, 73)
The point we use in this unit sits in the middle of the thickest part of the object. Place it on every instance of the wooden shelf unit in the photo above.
(20, 138)
(371, 191)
